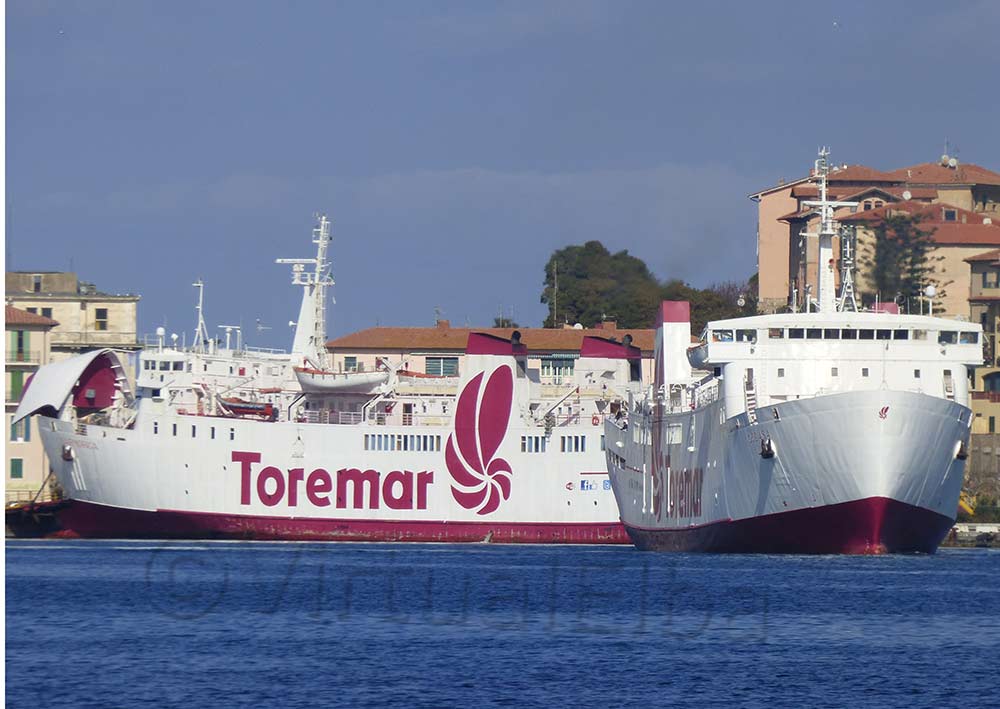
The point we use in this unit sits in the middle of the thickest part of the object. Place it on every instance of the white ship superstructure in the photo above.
(818, 432)
(496, 455)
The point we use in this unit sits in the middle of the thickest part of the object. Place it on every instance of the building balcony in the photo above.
(23, 357)
(94, 338)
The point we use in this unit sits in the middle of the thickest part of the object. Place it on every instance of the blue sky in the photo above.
(454, 145)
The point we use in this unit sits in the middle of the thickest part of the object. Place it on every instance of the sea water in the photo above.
(209, 624)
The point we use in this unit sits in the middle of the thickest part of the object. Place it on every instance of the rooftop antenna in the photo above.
(200, 331)
(261, 326)
(555, 297)
(825, 296)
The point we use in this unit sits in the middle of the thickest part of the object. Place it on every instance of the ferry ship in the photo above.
(835, 431)
(494, 455)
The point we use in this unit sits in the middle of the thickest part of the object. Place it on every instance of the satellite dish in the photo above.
(953, 163)
(930, 291)
(160, 332)
(577, 326)
(741, 301)
(907, 195)
(944, 159)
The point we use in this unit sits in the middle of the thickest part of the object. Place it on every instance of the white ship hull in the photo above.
(311, 481)
(857, 472)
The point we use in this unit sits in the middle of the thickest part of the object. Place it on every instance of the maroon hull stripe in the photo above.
(875, 525)
(83, 519)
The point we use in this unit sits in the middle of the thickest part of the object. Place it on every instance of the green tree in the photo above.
(504, 321)
(898, 260)
(587, 284)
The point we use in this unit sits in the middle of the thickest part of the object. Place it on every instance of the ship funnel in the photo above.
(673, 338)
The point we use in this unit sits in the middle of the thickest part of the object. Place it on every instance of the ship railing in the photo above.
(81, 428)
(337, 418)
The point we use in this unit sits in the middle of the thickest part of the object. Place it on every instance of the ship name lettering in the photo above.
(355, 488)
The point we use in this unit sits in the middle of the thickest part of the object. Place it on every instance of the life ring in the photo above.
(596, 420)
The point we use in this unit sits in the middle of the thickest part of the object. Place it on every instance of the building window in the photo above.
(36, 284)
(232, 434)
(951, 215)
(868, 205)
(33, 311)
(175, 429)
(442, 366)
(864, 371)
(993, 429)
(17, 465)
(916, 374)
(350, 364)
(47, 312)
(20, 432)
(16, 386)
(558, 367)
(781, 372)
(834, 371)
(101, 319)
(156, 427)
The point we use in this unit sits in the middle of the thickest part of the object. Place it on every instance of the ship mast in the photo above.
(310, 330)
(825, 296)
(200, 331)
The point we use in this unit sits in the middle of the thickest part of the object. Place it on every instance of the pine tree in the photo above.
(899, 260)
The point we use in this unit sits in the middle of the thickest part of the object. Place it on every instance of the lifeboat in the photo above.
(318, 380)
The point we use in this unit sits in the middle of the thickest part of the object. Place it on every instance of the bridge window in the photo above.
(722, 335)
(864, 371)
(916, 374)
(831, 334)
(920, 334)
(776, 333)
(947, 337)
(746, 336)
(814, 333)
(781, 371)
(969, 338)
(178, 366)
(795, 333)
(901, 334)
(848, 334)
(833, 371)
(866, 334)
(883, 334)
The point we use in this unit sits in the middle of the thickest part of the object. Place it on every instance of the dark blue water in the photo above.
(293, 625)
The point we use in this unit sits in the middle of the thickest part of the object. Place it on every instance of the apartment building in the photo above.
(787, 260)
(27, 347)
(87, 318)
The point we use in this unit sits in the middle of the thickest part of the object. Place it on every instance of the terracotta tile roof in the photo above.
(16, 316)
(993, 255)
(860, 173)
(453, 339)
(958, 233)
(928, 213)
(932, 173)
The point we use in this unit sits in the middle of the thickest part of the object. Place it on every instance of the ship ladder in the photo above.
(750, 397)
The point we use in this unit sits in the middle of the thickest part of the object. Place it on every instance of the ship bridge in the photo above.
(769, 359)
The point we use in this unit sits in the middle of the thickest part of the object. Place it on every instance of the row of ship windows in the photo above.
(194, 431)
(567, 444)
(835, 372)
(944, 337)
(401, 442)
